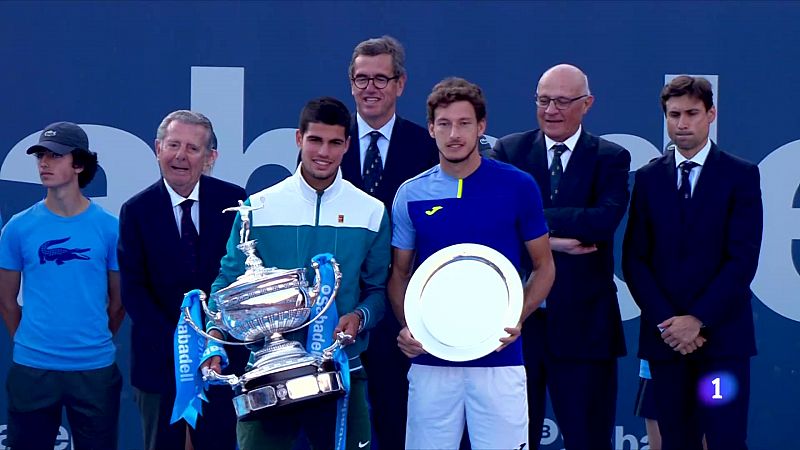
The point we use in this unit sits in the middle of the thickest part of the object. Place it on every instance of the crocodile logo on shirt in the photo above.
(60, 254)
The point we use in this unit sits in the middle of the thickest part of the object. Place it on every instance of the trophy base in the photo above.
(261, 392)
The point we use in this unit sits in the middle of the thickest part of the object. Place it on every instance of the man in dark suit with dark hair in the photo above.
(404, 149)
(385, 150)
(691, 251)
(571, 343)
(172, 237)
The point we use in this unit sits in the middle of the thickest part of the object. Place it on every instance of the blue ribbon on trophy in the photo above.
(320, 336)
(189, 351)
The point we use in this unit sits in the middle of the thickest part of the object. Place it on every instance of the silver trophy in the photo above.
(257, 308)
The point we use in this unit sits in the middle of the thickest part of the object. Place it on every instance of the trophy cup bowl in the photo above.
(259, 307)
(256, 306)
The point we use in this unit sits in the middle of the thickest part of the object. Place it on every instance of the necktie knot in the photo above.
(186, 206)
(687, 166)
(374, 136)
(559, 150)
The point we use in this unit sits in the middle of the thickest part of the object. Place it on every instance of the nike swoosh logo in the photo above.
(433, 210)
(362, 444)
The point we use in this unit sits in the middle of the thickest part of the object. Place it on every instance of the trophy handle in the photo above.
(188, 316)
(215, 317)
(213, 377)
(341, 341)
(337, 274)
(318, 280)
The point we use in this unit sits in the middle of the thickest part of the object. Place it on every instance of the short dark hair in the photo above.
(453, 89)
(88, 161)
(384, 45)
(696, 87)
(327, 110)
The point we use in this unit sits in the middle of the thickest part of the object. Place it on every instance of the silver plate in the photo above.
(460, 299)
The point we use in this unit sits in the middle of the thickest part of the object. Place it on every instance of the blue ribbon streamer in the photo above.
(320, 335)
(189, 346)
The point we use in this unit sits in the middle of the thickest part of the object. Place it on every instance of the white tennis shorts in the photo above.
(492, 400)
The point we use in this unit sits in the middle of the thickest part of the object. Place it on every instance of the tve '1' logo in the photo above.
(218, 92)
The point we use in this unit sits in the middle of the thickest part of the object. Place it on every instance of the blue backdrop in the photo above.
(119, 67)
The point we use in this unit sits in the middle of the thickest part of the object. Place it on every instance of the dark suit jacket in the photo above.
(153, 280)
(701, 266)
(411, 152)
(583, 318)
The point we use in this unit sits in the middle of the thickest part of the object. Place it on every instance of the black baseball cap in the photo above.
(61, 138)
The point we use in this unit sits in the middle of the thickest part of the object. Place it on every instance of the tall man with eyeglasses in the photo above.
(572, 342)
(385, 151)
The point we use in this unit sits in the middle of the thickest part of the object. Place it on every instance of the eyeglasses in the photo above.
(379, 81)
(560, 102)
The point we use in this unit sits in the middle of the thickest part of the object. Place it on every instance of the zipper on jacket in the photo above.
(319, 204)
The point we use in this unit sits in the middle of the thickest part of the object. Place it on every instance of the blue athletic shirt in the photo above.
(64, 263)
(498, 206)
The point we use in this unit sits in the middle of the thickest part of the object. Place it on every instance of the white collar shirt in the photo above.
(699, 159)
(570, 142)
(383, 142)
(176, 200)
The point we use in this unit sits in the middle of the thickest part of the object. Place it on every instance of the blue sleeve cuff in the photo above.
(215, 349)
(221, 331)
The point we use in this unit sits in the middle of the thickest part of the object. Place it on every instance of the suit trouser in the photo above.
(36, 398)
(388, 384)
(216, 427)
(687, 407)
(583, 392)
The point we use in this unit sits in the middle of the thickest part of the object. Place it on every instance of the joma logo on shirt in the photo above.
(433, 210)
(58, 254)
